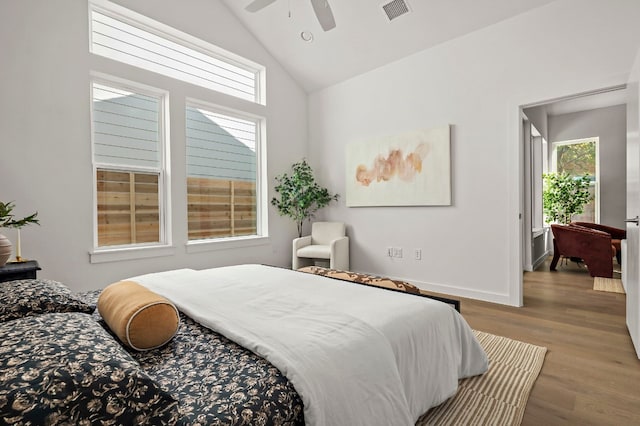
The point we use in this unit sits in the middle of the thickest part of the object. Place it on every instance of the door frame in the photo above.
(515, 186)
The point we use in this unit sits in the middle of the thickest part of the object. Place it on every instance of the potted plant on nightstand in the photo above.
(300, 195)
(8, 220)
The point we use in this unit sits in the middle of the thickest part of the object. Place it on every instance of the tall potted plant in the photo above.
(564, 196)
(8, 220)
(300, 195)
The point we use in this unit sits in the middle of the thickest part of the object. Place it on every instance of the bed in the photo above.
(60, 362)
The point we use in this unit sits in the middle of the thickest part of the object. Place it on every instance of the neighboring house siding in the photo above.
(126, 131)
(215, 153)
(138, 144)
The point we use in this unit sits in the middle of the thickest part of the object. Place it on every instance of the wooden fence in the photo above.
(128, 210)
(220, 208)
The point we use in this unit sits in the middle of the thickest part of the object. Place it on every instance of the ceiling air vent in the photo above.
(395, 8)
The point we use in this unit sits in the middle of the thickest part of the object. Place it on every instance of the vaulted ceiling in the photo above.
(364, 37)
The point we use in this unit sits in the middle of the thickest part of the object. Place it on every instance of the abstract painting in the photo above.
(411, 169)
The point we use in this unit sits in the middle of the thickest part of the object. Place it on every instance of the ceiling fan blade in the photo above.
(256, 5)
(324, 14)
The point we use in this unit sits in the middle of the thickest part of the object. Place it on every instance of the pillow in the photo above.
(362, 279)
(139, 317)
(65, 368)
(22, 298)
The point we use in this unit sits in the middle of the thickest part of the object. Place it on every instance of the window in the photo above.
(166, 51)
(577, 157)
(222, 150)
(128, 158)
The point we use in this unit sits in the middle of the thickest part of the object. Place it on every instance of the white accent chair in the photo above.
(327, 241)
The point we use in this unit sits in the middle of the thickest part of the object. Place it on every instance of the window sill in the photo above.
(130, 253)
(200, 246)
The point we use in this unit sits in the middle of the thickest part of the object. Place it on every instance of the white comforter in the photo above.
(356, 355)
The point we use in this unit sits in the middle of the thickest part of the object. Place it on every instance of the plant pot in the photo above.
(5, 250)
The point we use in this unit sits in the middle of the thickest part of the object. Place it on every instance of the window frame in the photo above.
(596, 184)
(174, 35)
(164, 245)
(261, 236)
(107, 70)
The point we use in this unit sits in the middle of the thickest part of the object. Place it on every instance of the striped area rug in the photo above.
(498, 397)
(611, 285)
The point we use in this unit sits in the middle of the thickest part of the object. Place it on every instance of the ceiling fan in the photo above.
(320, 7)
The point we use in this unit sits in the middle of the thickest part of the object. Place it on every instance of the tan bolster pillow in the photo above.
(139, 317)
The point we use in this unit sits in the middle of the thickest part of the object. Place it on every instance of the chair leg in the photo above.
(299, 262)
(339, 264)
(556, 257)
(600, 267)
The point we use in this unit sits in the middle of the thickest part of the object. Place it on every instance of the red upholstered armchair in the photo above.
(591, 245)
(617, 235)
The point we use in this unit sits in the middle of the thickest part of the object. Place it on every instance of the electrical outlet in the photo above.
(418, 254)
(397, 252)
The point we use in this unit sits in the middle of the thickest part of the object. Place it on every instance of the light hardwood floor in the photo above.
(591, 374)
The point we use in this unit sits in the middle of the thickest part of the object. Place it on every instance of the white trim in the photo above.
(164, 196)
(201, 246)
(262, 224)
(94, 177)
(174, 35)
(124, 83)
(197, 103)
(130, 253)
(262, 199)
(457, 291)
(515, 205)
(554, 166)
(515, 175)
(163, 171)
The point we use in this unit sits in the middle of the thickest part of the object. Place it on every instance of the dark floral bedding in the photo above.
(216, 381)
(61, 365)
(64, 369)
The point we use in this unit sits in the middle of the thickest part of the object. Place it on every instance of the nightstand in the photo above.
(19, 270)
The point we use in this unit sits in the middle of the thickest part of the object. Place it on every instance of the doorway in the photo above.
(598, 117)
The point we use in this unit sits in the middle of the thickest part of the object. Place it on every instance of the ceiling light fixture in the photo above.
(307, 36)
(321, 9)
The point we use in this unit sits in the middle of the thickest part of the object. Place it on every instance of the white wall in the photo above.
(610, 125)
(475, 83)
(45, 155)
